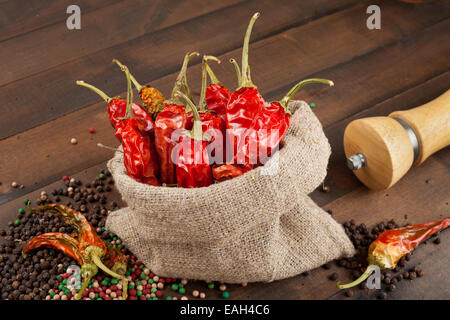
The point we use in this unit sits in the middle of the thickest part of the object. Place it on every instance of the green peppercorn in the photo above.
(26, 201)
(143, 276)
(312, 104)
(101, 176)
(211, 285)
(225, 294)
(182, 290)
(21, 211)
(174, 287)
(17, 222)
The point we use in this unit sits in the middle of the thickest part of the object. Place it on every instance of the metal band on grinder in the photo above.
(412, 137)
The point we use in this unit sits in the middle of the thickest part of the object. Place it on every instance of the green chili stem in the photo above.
(133, 79)
(83, 287)
(212, 76)
(95, 89)
(196, 132)
(202, 102)
(238, 72)
(181, 80)
(284, 102)
(370, 269)
(129, 111)
(94, 253)
(246, 81)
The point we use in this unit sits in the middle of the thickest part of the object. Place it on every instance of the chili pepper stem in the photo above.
(202, 101)
(129, 111)
(95, 89)
(133, 79)
(94, 254)
(246, 80)
(238, 72)
(89, 270)
(196, 133)
(284, 102)
(181, 80)
(83, 287)
(211, 74)
(370, 269)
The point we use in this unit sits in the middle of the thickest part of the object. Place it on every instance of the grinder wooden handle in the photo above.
(381, 150)
(431, 124)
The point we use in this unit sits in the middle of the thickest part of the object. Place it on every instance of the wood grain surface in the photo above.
(404, 64)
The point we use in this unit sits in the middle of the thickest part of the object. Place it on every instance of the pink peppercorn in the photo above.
(91, 130)
(65, 178)
(96, 290)
(132, 292)
(102, 294)
(85, 293)
(113, 287)
(158, 293)
(119, 293)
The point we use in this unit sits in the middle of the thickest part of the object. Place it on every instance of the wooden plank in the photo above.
(56, 85)
(100, 29)
(22, 16)
(48, 146)
(52, 93)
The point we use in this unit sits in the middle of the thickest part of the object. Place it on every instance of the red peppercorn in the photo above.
(91, 130)
(132, 292)
(119, 293)
(65, 178)
(102, 294)
(158, 293)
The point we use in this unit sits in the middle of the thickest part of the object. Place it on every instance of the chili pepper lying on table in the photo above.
(212, 124)
(85, 246)
(192, 160)
(140, 158)
(172, 118)
(117, 108)
(390, 246)
(152, 98)
(254, 126)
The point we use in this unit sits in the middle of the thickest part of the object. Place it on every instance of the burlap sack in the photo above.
(260, 226)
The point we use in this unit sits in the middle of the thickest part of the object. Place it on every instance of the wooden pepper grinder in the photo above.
(380, 150)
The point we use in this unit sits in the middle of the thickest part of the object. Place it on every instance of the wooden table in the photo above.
(403, 65)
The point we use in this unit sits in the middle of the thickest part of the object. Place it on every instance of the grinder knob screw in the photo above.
(356, 161)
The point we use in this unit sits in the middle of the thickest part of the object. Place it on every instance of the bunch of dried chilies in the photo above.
(175, 143)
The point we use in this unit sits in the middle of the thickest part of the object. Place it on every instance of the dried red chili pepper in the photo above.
(117, 108)
(212, 124)
(390, 246)
(230, 171)
(140, 158)
(152, 98)
(192, 160)
(216, 95)
(85, 246)
(172, 118)
(254, 126)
